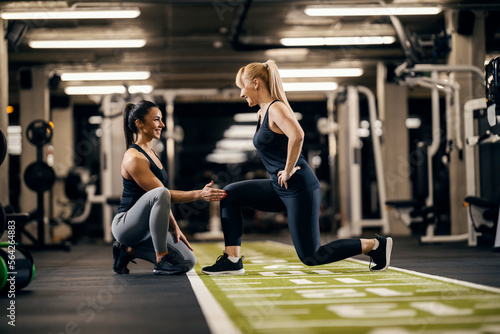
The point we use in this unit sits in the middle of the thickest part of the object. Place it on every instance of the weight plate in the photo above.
(3, 220)
(3, 270)
(39, 176)
(23, 271)
(39, 132)
(3, 146)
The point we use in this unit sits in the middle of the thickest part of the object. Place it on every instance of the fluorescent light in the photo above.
(105, 90)
(227, 158)
(71, 13)
(240, 132)
(413, 123)
(235, 145)
(309, 86)
(319, 41)
(245, 117)
(321, 72)
(90, 44)
(98, 76)
(94, 90)
(371, 11)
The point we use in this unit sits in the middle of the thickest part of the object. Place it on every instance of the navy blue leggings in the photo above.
(303, 220)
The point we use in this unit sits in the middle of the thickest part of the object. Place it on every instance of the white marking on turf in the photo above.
(329, 286)
(322, 272)
(216, 317)
(440, 278)
(404, 321)
(237, 283)
(304, 282)
(367, 300)
(384, 292)
(267, 261)
(254, 295)
(377, 310)
(348, 280)
(268, 273)
(283, 266)
(440, 309)
(330, 293)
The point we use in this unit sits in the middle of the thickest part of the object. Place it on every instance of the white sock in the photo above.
(233, 259)
(377, 243)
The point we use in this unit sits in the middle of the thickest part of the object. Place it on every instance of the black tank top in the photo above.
(273, 151)
(131, 190)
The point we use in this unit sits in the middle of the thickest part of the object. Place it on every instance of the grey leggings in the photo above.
(144, 227)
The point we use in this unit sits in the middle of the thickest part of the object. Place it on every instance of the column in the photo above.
(467, 48)
(4, 102)
(393, 112)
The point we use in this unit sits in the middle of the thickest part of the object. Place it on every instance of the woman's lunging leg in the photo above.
(254, 194)
(303, 222)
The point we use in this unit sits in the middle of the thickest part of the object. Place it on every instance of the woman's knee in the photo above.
(190, 260)
(309, 259)
(161, 194)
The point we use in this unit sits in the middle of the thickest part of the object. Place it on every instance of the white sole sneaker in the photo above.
(388, 251)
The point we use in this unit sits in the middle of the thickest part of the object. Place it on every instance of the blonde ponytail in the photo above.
(275, 85)
(268, 72)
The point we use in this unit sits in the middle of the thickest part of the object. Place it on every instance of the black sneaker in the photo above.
(121, 258)
(170, 265)
(224, 266)
(382, 255)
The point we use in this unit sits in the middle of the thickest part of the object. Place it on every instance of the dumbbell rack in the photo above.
(39, 177)
(15, 262)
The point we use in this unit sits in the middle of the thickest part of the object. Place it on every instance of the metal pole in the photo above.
(169, 123)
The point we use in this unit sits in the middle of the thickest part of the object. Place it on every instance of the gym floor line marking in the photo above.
(328, 286)
(374, 322)
(216, 317)
(364, 303)
(440, 278)
(362, 300)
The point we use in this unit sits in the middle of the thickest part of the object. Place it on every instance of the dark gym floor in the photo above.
(77, 292)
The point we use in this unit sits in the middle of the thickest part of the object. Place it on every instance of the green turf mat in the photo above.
(278, 294)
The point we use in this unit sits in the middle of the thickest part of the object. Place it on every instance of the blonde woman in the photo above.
(292, 187)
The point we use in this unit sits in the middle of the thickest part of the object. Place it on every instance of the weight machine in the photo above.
(483, 213)
(350, 180)
(421, 210)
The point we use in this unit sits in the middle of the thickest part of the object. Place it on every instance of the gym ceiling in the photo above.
(202, 43)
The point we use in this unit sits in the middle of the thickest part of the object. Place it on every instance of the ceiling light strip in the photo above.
(87, 44)
(104, 76)
(105, 90)
(322, 41)
(71, 14)
(309, 86)
(371, 11)
(320, 72)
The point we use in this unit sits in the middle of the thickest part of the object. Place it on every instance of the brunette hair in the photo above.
(131, 113)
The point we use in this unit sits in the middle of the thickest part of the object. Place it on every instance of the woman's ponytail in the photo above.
(129, 133)
(275, 84)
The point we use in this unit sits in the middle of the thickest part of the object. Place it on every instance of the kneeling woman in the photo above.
(144, 216)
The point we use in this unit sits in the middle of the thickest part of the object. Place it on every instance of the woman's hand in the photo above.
(210, 194)
(284, 176)
(178, 235)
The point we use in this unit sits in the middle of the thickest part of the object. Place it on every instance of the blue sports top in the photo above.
(273, 150)
(131, 190)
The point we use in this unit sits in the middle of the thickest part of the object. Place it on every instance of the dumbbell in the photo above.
(19, 262)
